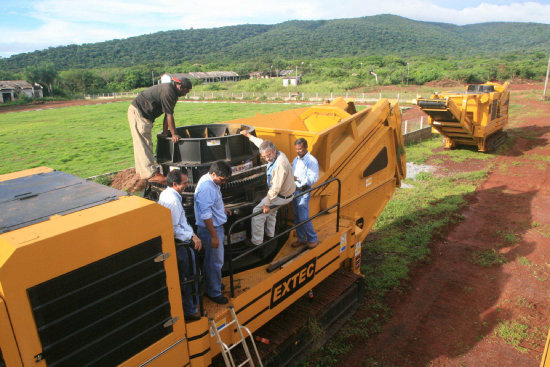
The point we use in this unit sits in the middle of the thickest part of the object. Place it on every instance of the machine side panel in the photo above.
(64, 299)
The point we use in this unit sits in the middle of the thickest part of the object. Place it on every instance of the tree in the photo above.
(44, 74)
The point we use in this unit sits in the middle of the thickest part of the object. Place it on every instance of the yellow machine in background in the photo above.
(475, 117)
(88, 274)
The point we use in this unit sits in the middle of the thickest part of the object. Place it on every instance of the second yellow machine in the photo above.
(88, 274)
(475, 116)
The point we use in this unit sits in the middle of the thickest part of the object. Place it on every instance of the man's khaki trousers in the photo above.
(143, 144)
(266, 221)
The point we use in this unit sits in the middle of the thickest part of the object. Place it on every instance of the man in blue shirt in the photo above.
(170, 198)
(210, 217)
(306, 173)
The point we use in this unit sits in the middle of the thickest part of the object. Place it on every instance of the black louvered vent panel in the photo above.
(105, 312)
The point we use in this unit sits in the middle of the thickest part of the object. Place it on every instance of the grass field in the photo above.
(94, 139)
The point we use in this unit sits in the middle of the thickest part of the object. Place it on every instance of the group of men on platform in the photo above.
(284, 181)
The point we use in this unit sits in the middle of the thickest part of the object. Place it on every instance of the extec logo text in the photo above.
(292, 282)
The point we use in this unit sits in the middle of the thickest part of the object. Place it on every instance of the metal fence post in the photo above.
(421, 121)
(406, 122)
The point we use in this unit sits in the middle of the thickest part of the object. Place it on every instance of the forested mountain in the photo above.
(374, 35)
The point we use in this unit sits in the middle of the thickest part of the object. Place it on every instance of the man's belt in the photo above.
(285, 197)
(181, 243)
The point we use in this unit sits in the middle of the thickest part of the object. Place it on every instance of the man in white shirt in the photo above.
(306, 174)
(170, 198)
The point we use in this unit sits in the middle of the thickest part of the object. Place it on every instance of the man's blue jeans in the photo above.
(187, 269)
(301, 213)
(213, 261)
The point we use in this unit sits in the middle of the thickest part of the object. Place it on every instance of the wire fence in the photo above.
(411, 125)
(273, 96)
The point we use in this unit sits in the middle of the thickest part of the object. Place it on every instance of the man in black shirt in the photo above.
(148, 105)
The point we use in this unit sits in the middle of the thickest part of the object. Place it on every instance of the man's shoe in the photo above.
(192, 317)
(298, 244)
(221, 300)
(312, 244)
(157, 178)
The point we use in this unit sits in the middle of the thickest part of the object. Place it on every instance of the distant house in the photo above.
(291, 80)
(10, 90)
(206, 77)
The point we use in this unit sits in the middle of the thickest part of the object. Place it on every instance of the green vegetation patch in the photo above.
(488, 258)
(513, 333)
(524, 261)
(420, 152)
(542, 228)
(462, 154)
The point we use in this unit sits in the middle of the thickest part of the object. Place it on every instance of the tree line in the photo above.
(343, 73)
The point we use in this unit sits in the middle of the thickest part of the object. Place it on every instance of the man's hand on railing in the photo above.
(197, 244)
(265, 209)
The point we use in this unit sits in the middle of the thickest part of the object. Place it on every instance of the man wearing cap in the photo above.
(148, 105)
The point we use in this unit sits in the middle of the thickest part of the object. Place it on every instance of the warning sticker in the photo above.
(220, 324)
(343, 242)
(213, 143)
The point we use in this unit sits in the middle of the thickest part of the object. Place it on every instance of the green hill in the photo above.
(374, 35)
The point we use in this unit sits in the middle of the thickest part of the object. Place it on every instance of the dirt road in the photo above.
(458, 312)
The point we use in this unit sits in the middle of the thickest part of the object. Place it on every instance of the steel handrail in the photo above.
(229, 242)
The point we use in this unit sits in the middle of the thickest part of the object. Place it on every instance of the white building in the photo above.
(291, 80)
(206, 76)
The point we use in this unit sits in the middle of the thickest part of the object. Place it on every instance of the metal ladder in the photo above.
(226, 351)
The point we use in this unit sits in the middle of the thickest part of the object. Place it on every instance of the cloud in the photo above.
(62, 22)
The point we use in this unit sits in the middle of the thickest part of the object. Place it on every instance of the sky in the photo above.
(29, 25)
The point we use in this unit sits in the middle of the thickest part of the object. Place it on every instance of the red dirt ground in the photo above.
(450, 314)
(128, 180)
